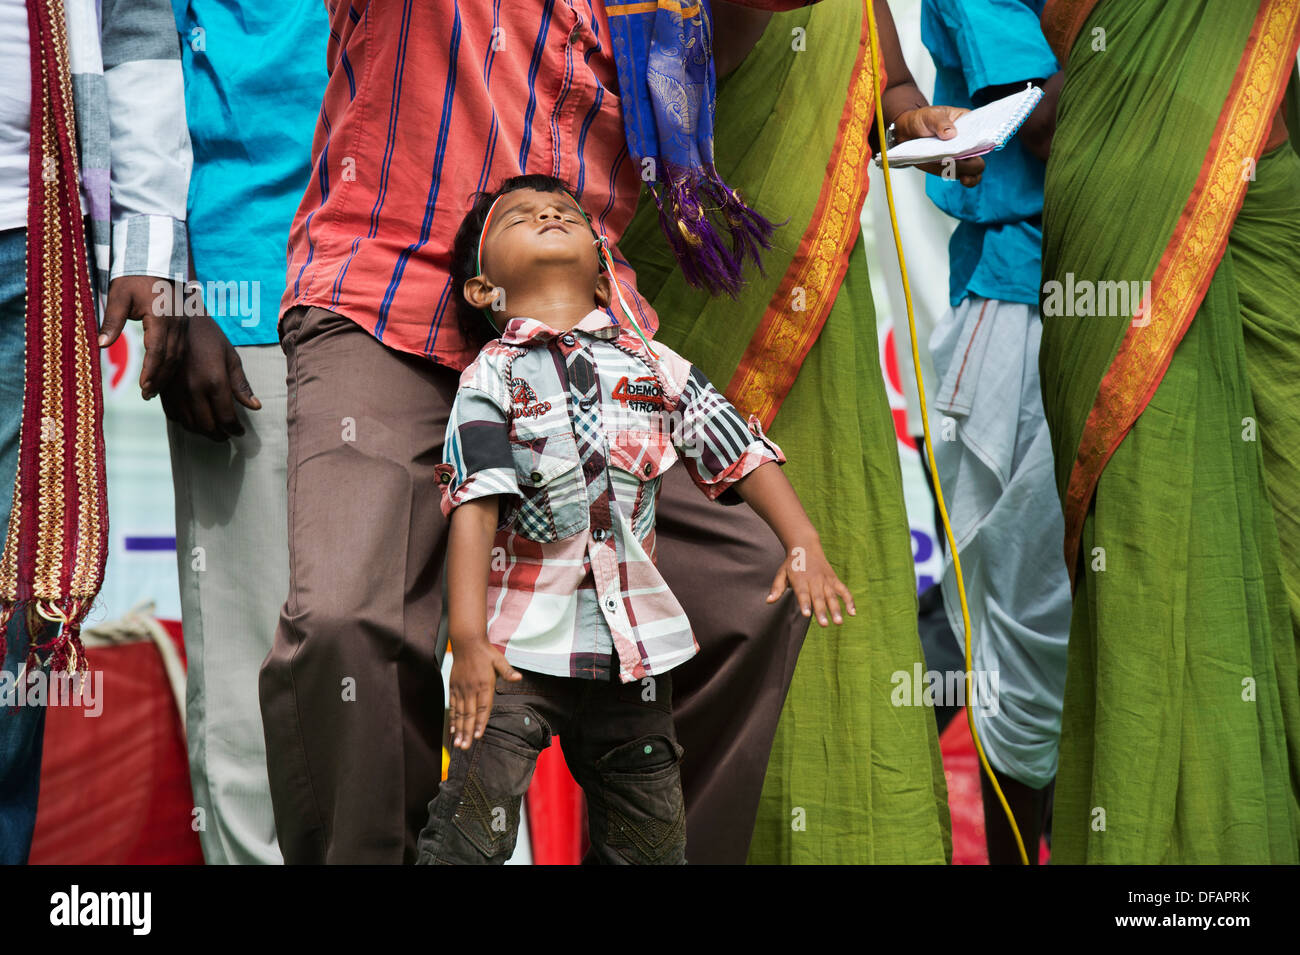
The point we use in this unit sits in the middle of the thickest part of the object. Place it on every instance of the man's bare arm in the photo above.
(907, 109)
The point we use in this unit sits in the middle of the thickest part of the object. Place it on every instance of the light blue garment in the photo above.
(976, 44)
(995, 464)
(255, 74)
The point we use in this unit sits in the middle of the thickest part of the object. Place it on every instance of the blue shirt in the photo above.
(996, 250)
(254, 78)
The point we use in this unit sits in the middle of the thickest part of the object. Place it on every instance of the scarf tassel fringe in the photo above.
(698, 212)
(66, 651)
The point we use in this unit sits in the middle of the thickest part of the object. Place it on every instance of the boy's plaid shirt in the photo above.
(578, 466)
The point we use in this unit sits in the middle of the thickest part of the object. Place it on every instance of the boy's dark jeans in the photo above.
(619, 744)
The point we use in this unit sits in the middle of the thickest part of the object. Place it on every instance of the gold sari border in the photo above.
(785, 335)
(1189, 261)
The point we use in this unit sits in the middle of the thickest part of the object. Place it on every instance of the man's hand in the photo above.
(808, 573)
(137, 297)
(475, 664)
(201, 395)
(937, 121)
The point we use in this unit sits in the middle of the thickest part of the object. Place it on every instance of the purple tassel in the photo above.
(695, 232)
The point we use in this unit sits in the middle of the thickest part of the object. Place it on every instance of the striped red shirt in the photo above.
(427, 102)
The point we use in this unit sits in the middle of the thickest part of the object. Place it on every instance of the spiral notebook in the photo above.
(980, 131)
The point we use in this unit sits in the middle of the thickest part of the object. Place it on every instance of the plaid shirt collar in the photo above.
(529, 331)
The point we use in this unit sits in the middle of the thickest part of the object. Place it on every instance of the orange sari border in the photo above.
(784, 336)
(1061, 21)
(1183, 274)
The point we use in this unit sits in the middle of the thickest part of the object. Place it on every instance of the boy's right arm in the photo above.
(475, 662)
(477, 469)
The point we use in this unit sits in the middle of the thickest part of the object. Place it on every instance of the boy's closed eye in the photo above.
(524, 211)
(528, 218)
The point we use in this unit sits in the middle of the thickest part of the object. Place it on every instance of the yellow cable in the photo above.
(925, 423)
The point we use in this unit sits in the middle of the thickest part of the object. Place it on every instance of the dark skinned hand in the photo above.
(201, 396)
(938, 121)
(475, 666)
(151, 301)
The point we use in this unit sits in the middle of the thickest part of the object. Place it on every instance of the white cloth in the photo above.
(88, 82)
(999, 484)
(15, 113)
(132, 142)
(232, 552)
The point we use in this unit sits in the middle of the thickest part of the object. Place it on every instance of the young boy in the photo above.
(556, 443)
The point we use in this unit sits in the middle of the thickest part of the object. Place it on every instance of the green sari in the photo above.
(851, 778)
(1176, 431)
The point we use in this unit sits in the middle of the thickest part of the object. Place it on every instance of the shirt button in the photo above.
(598, 534)
(586, 403)
(647, 467)
(445, 478)
(569, 340)
(536, 476)
(610, 603)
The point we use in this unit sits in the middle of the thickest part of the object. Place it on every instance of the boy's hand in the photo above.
(805, 569)
(475, 665)
(807, 572)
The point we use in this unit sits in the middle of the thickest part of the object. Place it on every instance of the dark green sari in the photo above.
(1177, 434)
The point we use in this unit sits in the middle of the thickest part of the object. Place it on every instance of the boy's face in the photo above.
(535, 240)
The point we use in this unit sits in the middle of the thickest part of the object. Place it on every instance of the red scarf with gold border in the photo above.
(53, 559)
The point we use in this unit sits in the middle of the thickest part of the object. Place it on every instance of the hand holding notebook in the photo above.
(980, 131)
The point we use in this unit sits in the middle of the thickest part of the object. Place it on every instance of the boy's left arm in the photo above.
(806, 570)
(731, 460)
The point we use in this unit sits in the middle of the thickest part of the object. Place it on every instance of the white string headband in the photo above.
(602, 254)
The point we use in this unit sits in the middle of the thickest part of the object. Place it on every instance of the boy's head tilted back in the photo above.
(535, 255)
